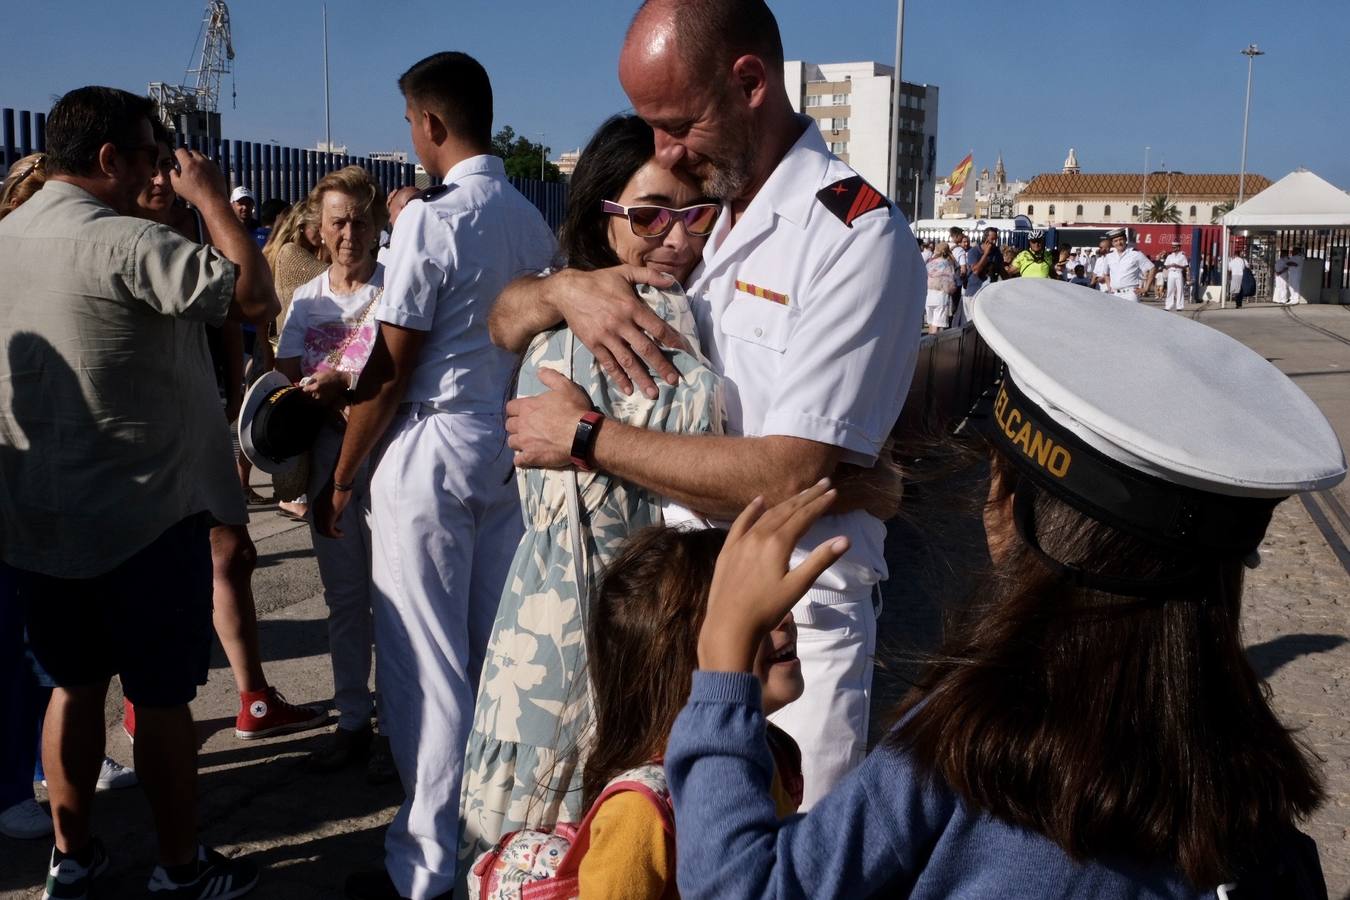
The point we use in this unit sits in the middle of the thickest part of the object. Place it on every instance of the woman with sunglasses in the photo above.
(524, 758)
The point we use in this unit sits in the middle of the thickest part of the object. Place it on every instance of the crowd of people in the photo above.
(957, 272)
(606, 512)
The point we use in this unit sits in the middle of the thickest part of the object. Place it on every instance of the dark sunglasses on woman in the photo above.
(656, 221)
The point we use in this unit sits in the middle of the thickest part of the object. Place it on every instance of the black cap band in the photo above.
(1146, 507)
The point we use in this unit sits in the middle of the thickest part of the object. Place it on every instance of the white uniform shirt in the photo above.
(1282, 267)
(958, 257)
(1178, 259)
(1236, 266)
(1295, 274)
(448, 262)
(814, 326)
(1128, 271)
(1099, 270)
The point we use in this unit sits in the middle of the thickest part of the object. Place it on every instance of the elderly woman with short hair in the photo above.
(324, 345)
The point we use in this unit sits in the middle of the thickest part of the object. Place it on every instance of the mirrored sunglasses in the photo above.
(656, 221)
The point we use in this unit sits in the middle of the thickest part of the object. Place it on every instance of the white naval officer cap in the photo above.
(1154, 423)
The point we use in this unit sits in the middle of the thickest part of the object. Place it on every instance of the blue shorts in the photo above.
(147, 621)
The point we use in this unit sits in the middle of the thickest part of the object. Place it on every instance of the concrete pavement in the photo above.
(311, 830)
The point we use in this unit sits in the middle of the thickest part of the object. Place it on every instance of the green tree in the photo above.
(1220, 210)
(1161, 209)
(521, 155)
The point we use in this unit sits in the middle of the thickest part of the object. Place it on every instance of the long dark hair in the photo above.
(619, 147)
(1115, 726)
(642, 646)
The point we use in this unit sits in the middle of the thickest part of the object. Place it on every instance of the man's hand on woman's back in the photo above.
(602, 310)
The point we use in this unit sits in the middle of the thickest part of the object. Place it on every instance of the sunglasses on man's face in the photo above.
(656, 221)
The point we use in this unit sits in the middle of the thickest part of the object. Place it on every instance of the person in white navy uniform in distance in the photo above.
(809, 302)
(1178, 277)
(1127, 270)
(1294, 264)
(445, 518)
(1098, 266)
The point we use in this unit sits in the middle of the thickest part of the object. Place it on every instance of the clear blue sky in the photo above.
(1028, 79)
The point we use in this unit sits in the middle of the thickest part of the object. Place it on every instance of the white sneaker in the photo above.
(25, 820)
(114, 776)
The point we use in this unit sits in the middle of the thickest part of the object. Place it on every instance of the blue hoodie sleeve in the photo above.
(877, 827)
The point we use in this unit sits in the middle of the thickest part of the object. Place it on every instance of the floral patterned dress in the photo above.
(523, 762)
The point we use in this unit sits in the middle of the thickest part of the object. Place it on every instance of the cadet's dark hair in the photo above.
(619, 147)
(1117, 727)
(85, 119)
(713, 33)
(455, 86)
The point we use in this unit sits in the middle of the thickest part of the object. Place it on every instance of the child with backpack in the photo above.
(642, 649)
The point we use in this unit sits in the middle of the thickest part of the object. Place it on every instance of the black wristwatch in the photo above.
(583, 444)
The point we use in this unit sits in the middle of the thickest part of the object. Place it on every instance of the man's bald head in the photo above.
(707, 35)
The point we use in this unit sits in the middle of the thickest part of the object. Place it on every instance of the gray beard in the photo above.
(730, 178)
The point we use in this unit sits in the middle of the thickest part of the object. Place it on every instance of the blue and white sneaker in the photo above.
(218, 878)
(69, 880)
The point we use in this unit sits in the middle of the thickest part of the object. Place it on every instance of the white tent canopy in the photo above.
(1298, 200)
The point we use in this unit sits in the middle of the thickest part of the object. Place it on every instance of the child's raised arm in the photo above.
(752, 587)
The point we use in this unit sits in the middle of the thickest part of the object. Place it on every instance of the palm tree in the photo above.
(1220, 210)
(1161, 209)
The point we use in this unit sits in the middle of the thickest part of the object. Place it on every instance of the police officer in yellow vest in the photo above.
(1035, 261)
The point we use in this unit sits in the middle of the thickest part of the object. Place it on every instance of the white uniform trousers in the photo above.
(1281, 290)
(836, 643)
(445, 522)
(1176, 290)
(1130, 293)
(344, 569)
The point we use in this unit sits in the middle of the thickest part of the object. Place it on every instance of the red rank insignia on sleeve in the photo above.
(851, 198)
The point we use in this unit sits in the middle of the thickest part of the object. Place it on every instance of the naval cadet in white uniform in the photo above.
(1178, 277)
(1127, 270)
(445, 517)
(809, 302)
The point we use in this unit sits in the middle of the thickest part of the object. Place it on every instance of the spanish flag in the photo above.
(956, 182)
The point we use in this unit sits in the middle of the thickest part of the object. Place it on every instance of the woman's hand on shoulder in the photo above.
(753, 586)
(623, 333)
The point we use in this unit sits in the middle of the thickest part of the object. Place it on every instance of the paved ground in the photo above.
(310, 830)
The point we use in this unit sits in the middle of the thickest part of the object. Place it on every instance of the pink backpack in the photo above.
(544, 863)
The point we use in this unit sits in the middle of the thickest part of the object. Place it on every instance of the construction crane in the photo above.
(192, 108)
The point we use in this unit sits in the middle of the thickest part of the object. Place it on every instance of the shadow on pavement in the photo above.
(282, 639)
(308, 830)
(1269, 657)
(272, 559)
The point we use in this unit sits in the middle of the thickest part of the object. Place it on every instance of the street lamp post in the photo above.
(893, 174)
(1252, 52)
(543, 153)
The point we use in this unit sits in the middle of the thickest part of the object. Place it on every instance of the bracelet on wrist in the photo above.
(344, 488)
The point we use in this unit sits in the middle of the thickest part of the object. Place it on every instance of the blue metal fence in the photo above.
(270, 170)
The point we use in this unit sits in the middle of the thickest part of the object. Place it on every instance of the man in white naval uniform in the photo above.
(809, 302)
(1178, 277)
(1294, 265)
(1127, 270)
(1098, 268)
(445, 518)
(1281, 293)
